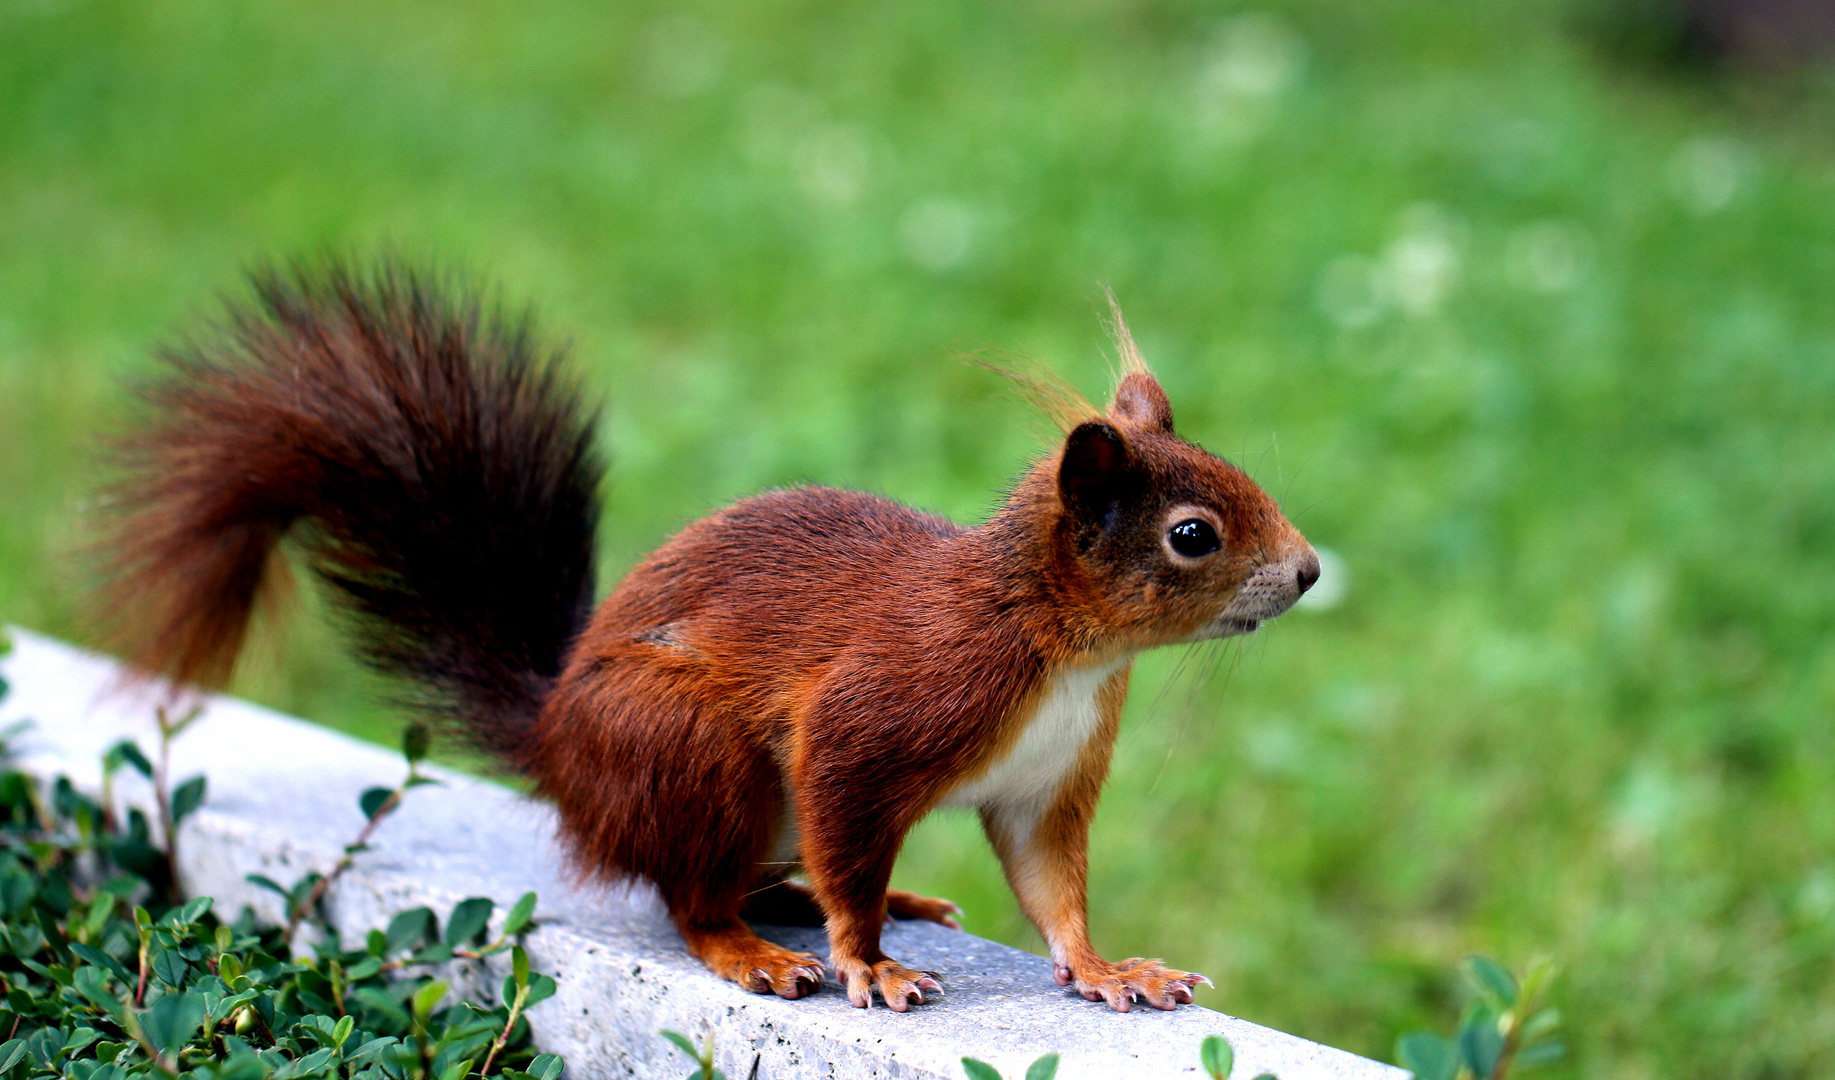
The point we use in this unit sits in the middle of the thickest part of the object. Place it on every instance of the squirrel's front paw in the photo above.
(898, 984)
(771, 970)
(1120, 984)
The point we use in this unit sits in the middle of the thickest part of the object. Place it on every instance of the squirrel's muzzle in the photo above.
(1271, 589)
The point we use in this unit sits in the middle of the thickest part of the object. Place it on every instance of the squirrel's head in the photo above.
(1165, 541)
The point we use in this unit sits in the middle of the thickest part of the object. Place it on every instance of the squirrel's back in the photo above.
(783, 549)
(433, 463)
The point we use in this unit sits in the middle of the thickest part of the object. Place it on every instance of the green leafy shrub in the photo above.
(1505, 1028)
(109, 974)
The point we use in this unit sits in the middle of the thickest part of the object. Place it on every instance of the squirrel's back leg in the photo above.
(792, 903)
(654, 778)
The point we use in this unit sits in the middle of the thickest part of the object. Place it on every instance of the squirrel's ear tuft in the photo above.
(1094, 471)
(1141, 403)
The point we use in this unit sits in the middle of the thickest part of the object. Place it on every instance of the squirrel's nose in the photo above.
(1308, 573)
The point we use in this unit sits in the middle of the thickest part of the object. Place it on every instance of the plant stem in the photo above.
(1502, 1068)
(140, 988)
(1525, 1008)
(522, 995)
(312, 899)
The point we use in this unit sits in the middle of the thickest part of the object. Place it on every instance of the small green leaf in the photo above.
(546, 1067)
(437, 953)
(372, 800)
(1542, 1053)
(342, 1031)
(541, 988)
(363, 969)
(102, 960)
(1044, 1068)
(137, 856)
(12, 1052)
(1541, 1024)
(408, 929)
(57, 973)
(193, 910)
(381, 1001)
(269, 884)
(229, 968)
(78, 1039)
(468, 921)
(979, 1070)
(414, 742)
(519, 967)
(172, 1020)
(1215, 1055)
(682, 1043)
(1427, 1055)
(188, 797)
(130, 753)
(171, 968)
(17, 886)
(92, 983)
(1480, 1043)
(1493, 978)
(241, 1065)
(99, 915)
(521, 915)
(427, 997)
(372, 1048)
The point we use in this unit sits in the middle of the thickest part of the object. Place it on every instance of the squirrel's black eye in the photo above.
(1193, 538)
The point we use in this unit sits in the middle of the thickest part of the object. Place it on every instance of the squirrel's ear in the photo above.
(1094, 471)
(1141, 403)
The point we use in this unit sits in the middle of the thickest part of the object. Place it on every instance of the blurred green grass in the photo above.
(1542, 348)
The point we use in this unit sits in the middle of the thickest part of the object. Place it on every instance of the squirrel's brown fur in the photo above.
(792, 682)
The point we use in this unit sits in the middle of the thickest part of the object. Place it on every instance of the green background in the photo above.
(1539, 343)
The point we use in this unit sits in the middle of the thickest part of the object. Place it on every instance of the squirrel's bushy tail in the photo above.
(431, 459)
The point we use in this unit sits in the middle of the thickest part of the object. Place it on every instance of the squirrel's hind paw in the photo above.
(909, 905)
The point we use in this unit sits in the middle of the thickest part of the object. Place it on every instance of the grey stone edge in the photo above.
(282, 801)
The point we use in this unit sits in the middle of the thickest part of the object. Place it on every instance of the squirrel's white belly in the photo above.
(1047, 750)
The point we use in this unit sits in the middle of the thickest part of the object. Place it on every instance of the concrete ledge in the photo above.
(283, 801)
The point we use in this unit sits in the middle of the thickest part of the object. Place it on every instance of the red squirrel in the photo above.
(789, 684)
